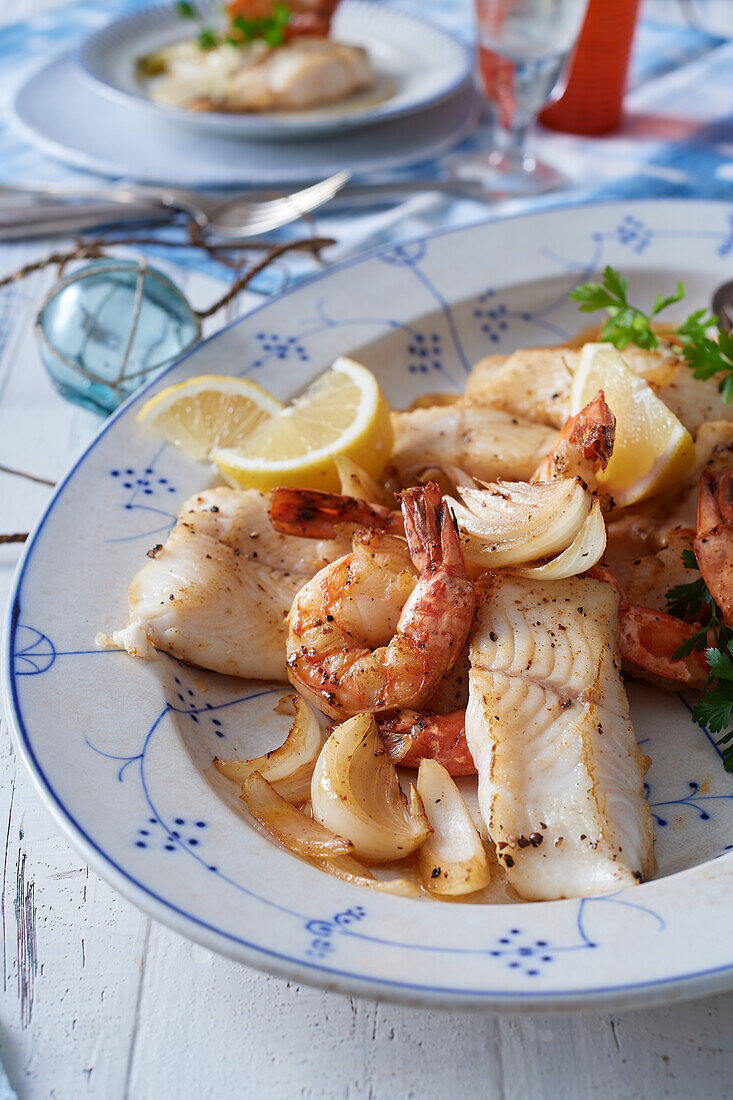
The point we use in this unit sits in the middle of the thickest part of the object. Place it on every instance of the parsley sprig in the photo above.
(714, 708)
(626, 324)
(240, 30)
(705, 354)
(272, 30)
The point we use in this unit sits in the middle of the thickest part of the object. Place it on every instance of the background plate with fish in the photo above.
(416, 66)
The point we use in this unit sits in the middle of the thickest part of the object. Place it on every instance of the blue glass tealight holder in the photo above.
(107, 329)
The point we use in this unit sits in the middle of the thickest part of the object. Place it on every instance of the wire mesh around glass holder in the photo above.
(111, 325)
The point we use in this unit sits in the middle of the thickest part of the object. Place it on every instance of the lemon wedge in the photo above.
(209, 411)
(342, 414)
(652, 450)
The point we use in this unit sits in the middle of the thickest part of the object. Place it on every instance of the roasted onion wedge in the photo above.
(357, 483)
(298, 833)
(288, 768)
(351, 870)
(355, 792)
(515, 523)
(584, 551)
(453, 860)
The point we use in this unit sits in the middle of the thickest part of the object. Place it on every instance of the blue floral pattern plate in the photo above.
(121, 750)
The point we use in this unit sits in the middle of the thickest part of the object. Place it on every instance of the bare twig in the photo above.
(242, 280)
(29, 477)
(95, 250)
(14, 538)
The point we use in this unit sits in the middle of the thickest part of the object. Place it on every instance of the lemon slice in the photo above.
(342, 413)
(209, 411)
(652, 450)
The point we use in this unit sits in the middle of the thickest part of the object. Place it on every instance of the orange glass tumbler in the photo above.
(592, 102)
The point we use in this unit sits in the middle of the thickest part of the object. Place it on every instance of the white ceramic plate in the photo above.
(121, 750)
(416, 66)
(60, 113)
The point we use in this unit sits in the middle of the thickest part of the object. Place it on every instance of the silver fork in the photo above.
(239, 217)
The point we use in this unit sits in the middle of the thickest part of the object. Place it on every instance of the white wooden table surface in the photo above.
(99, 1000)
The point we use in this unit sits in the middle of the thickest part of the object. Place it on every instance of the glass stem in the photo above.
(513, 143)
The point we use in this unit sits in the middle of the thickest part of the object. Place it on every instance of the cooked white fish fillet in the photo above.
(652, 575)
(485, 443)
(218, 592)
(646, 527)
(304, 73)
(560, 774)
(535, 383)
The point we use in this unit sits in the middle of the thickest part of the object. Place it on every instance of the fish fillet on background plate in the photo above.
(218, 592)
(303, 73)
(560, 774)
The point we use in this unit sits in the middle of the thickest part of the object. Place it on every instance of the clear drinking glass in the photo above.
(523, 46)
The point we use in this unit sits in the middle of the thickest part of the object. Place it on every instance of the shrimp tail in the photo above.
(584, 445)
(312, 513)
(410, 737)
(432, 536)
(714, 541)
(593, 431)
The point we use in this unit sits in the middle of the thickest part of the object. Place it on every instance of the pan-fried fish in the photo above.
(485, 443)
(218, 592)
(535, 383)
(560, 773)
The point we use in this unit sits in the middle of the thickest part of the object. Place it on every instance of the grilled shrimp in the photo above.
(649, 639)
(584, 444)
(315, 514)
(714, 541)
(376, 630)
(410, 738)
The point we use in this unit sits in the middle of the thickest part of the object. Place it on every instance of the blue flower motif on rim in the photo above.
(283, 348)
(425, 353)
(323, 931)
(143, 482)
(404, 255)
(634, 233)
(185, 832)
(34, 652)
(492, 316)
(525, 954)
(695, 799)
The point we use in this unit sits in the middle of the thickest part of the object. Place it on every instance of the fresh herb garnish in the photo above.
(241, 30)
(709, 357)
(271, 29)
(627, 324)
(207, 39)
(714, 708)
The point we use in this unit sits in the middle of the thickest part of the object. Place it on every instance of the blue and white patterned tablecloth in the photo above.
(677, 139)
